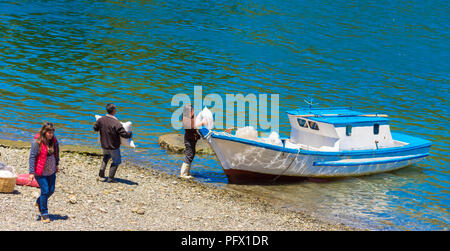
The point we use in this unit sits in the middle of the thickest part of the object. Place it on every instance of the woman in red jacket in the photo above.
(44, 164)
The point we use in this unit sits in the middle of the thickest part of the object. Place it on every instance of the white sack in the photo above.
(7, 172)
(123, 141)
(205, 115)
(273, 139)
(247, 132)
(250, 133)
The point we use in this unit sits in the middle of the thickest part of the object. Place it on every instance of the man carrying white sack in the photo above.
(110, 132)
(191, 137)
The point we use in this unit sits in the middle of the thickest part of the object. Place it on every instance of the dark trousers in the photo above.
(190, 150)
(47, 184)
(116, 160)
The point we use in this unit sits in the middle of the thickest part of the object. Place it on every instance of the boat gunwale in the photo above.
(414, 143)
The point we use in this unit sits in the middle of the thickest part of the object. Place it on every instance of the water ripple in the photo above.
(63, 61)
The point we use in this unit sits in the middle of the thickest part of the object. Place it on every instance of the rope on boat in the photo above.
(298, 153)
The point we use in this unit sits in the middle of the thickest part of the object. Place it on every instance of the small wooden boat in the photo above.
(324, 143)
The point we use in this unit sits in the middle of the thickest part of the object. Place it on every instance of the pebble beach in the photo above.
(142, 199)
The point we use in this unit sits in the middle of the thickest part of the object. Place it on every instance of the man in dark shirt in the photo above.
(110, 132)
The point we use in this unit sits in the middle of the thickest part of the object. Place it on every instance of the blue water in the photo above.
(64, 60)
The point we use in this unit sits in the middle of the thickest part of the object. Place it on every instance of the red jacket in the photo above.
(39, 163)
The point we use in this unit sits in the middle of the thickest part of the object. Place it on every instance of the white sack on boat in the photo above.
(247, 132)
(205, 115)
(250, 133)
(123, 141)
(273, 139)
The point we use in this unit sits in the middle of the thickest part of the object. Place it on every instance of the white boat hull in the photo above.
(248, 160)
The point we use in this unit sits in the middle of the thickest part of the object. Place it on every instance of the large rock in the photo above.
(174, 143)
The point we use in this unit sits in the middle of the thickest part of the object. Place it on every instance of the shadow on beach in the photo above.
(124, 181)
(55, 217)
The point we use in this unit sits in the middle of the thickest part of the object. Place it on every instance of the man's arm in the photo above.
(96, 126)
(124, 133)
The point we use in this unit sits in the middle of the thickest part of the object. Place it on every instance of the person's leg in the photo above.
(43, 199)
(51, 181)
(190, 151)
(116, 161)
(106, 158)
(51, 184)
(188, 158)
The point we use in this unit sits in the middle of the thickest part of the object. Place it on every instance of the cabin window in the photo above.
(376, 129)
(313, 125)
(348, 130)
(302, 123)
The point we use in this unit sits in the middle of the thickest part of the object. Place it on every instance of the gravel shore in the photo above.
(143, 199)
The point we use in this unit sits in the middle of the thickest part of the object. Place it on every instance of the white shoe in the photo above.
(185, 171)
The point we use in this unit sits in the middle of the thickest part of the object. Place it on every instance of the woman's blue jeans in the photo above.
(47, 184)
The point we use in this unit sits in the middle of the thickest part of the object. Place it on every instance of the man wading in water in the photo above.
(110, 132)
(191, 137)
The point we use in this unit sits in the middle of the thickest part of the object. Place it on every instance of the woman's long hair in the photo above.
(46, 127)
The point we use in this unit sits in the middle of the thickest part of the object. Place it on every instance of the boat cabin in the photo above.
(339, 129)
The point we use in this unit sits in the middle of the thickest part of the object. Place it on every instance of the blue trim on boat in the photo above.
(339, 117)
(345, 111)
(203, 131)
(355, 162)
(357, 123)
(414, 143)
